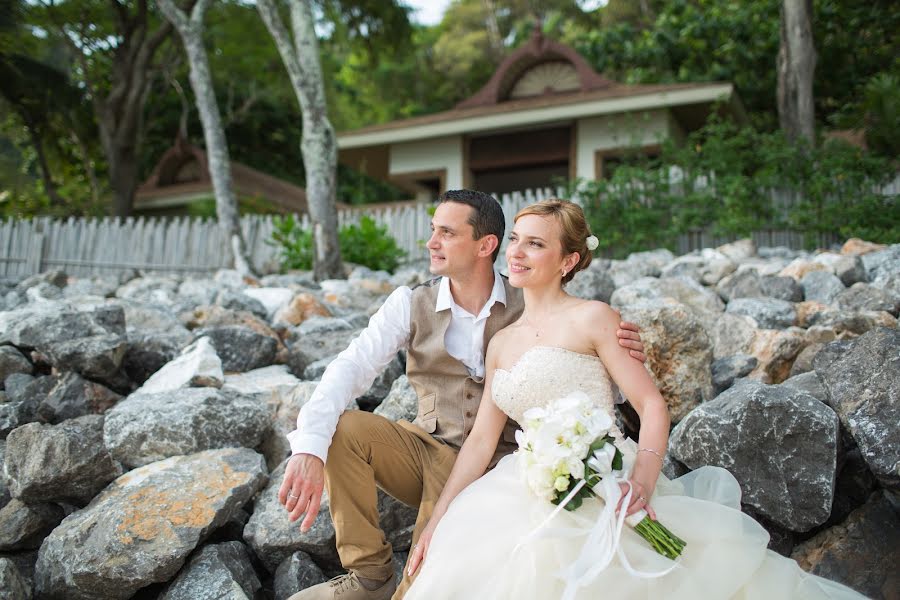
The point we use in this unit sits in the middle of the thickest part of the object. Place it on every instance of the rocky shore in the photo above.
(143, 419)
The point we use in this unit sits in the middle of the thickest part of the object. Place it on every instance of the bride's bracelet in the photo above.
(658, 455)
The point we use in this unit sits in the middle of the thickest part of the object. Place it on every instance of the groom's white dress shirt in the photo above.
(354, 369)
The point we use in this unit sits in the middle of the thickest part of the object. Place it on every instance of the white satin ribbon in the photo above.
(603, 538)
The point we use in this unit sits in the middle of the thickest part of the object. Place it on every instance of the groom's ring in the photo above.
(290, 495)
(642, 499)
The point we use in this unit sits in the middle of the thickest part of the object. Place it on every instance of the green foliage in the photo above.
(728, 177)
(881, 114)
(367, 244)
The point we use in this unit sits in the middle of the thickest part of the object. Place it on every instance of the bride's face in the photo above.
(535, 253)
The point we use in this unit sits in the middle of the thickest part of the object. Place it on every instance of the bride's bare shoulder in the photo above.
(596, 311)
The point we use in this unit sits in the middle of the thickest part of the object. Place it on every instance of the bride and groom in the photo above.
(473, 536)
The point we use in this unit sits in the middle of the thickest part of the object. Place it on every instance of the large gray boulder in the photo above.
(867, 297)
(216, 572)
(274, 538)
(160, 290)
(726, 370)
(780, 444)
(240, 348)
(821, 286)
(748, 283)
(296, 572)
(197, 365)
(769, 313)
(882, 263)
(679, 353)
(685, 291)
(142, 527)
(24, 526)
(148, 352)
(24, 394)
(862, 552)
(59, 463)
(401, 403)
(592, 284)
(13, 361)
(12, 585)
(863, 382)
(145, 428)
(37, 326)
(97, 357)
(376, 393)
(73, 396)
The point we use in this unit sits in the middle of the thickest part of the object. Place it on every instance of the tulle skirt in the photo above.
(480, 549)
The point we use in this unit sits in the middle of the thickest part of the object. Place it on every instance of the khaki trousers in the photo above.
(368, 452)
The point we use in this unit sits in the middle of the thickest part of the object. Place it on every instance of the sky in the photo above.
(427, 12)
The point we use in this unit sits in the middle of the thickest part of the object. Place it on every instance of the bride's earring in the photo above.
(564, 274)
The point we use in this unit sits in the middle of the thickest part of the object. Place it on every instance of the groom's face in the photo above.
(452, 246)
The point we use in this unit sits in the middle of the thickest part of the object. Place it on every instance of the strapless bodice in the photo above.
(544, 373)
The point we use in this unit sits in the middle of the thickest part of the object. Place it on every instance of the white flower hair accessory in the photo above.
(592, 242)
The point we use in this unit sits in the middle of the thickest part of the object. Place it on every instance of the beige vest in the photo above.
(448, 395)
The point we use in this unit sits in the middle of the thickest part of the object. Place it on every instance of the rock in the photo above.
(96, 357)
(779, 443)
(299, 309)
(13, 361)
(146, 318)
(799, 267)
(272, 386)
(4, 488)
(147, 353)
(142, 527)
(73, 396)
(12, 585)
(98, 287)
(241, 349)
(271, 298)
(24, 396)
(274, 538)
(781, 288)
(804, 361)
(731, 334)
(199, 291)
(865, 297)
(24, 526)
(400, 403)
(377, 282)
(776, 350)
(726, 370)
(769, 313)
(845, 322)
(216, 572)
(37, 326)
(152, 289)
(592, 284)
(679, 353)
(882, 263)
(862, 552)
(197, 365)
(685, 291)
(234, 279)
(54, 277)
(295, 573)
(739, 250)
(145, 428)
(849, 269)
(810, 310)
(59, 463)
(651, 261)
(397, 520)
(808, 383)
(821, 286)
(238, 301)
(858, 247)
(750, 284)
(864, 387)
(304, 350)
(855, 484)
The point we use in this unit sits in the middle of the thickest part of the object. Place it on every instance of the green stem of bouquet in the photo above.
(663, 541)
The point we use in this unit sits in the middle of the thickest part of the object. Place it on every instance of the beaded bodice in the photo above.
(544, 373)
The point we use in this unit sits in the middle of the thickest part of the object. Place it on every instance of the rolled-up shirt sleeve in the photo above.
(351, 374)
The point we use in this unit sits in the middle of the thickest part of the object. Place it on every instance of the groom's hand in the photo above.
(630, 337)
(301, 489)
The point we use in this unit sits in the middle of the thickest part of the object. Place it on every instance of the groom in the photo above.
(445, 325)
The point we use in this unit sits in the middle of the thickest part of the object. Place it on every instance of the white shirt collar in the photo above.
(445, 298)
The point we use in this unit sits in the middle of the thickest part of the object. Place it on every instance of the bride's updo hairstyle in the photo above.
(574, 229)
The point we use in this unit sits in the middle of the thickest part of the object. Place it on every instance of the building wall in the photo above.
(628, 130)
(444, 153)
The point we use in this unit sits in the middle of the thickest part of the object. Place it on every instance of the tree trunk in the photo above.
(191, 32)
(796, 67)
(44, 166)
(319, 145)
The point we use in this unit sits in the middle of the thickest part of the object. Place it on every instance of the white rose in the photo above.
(561, 484)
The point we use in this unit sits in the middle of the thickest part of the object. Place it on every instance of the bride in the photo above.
(492, 539)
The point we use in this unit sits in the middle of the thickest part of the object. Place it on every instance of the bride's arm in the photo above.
(472, 461)
(638, 387)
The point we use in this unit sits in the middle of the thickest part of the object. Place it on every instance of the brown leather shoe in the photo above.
(347, 587)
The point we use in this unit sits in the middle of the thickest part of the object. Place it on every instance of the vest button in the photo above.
(469, 395)
(469, 414)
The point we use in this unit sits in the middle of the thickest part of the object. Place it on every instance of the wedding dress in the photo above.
(484, 547)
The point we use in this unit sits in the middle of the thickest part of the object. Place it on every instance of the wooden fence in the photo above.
(109, 246)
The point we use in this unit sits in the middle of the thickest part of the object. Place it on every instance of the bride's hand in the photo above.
(640, 498)
(420, 550)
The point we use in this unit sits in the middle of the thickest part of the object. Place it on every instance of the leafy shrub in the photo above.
(367, 244)
(731, 181)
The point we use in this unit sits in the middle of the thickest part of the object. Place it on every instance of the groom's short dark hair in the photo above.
(486, 218)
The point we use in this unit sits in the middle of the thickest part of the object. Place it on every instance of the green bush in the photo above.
(729, 174)
(367, 244)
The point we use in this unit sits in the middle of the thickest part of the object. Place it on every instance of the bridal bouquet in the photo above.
(566, 453)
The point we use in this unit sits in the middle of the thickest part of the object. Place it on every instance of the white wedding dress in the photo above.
(476, 551)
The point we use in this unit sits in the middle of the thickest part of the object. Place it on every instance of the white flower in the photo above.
(561, 484)
(592, 242)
